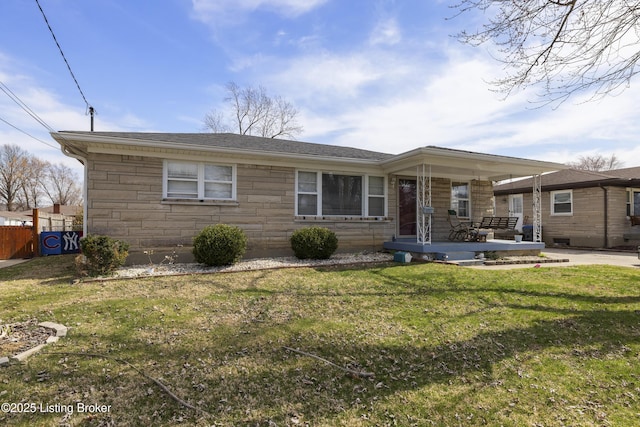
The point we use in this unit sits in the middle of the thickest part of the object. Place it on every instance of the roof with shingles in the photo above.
(245, 142)
(574, 178)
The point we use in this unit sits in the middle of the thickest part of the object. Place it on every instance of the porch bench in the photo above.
(504, 225)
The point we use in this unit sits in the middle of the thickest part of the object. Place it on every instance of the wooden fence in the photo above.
(16, 242)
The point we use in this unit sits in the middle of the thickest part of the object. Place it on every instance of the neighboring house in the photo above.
(12, 218)
(580, 208)
(158, 190)
(58, 217)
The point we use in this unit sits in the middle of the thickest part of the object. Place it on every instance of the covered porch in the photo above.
(429, 181)
(447, 250)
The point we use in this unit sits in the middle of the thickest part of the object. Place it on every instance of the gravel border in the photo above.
(247, 265)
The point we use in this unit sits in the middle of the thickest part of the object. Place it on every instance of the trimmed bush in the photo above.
(219, 244)
(101, 255)
(314, 243)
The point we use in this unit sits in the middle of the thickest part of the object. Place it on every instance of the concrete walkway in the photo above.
(579, 257)
(9, 262)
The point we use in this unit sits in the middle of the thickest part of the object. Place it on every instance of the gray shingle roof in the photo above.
(245, 143)
(573, 178)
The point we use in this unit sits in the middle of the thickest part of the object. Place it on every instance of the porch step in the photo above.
(463, 258)
(455, 256)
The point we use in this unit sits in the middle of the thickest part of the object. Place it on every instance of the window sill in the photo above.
(328, 218)
(199, 202)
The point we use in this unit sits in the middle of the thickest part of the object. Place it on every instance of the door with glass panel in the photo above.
(407, 207)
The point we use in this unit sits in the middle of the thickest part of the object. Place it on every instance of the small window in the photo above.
(562, 202)
(307, 193)
(376, 196)
(461, 199)
(200, 181)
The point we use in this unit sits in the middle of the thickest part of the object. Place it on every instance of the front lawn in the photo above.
(446, 346)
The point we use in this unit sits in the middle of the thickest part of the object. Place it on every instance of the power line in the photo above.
(24, 106)
(28, 134)
(89, 107)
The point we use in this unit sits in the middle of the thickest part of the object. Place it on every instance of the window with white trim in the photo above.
(376, 196)
(337, 194)
(562, 202)
(199, 181)
(461, 199)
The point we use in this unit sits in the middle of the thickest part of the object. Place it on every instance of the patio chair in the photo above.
(459, 230)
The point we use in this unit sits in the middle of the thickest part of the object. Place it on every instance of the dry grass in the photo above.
(447, 345)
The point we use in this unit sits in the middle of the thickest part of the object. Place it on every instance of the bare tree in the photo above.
(13, 164)
(251, 111)
(33, 184)
(61, 185)
(597, 163)
(561, 46)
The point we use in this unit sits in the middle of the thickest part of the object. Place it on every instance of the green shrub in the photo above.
(314, 243)
(219, 244)
(101, 255)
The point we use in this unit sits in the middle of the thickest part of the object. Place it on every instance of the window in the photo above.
(562, 202)
(633, 202)
(200, 181)
(376, 196)
(333, 194)
(460, 199)
(307, 193)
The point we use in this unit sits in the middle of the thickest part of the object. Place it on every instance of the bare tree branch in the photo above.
(13, 164)
(560, 46)
(597, 163)
(253, 112)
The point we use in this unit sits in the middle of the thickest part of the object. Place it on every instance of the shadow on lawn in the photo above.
(254, 375)
(290, 380)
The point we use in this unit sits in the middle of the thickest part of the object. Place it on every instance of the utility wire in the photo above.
(28, 134)
(25, 107)
(89, 107)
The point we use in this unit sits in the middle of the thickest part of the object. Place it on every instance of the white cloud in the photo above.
(386, 32)
(450, 105)
(219, 12)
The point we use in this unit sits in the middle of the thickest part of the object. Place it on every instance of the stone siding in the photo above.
(125, 202)
(585, 227)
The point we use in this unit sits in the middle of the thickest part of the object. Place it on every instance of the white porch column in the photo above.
(423, 204)
(537, 208)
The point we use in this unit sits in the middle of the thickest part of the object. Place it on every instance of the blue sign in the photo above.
(60, 242)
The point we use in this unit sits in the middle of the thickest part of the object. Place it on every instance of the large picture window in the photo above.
(199, 181)
(562, 202)
(335, 194)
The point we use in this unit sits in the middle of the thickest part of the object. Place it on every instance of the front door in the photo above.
(516, 208)
(407, 207)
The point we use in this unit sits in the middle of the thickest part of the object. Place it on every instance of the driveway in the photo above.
(580, 257)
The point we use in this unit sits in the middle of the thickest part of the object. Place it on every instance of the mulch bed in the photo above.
(18, 337)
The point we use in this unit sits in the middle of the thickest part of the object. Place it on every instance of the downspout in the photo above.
(606, 215)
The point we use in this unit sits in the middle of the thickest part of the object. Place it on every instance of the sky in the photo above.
(383, 75)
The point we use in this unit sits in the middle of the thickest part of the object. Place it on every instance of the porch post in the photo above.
(423, 200)
(537, 208)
